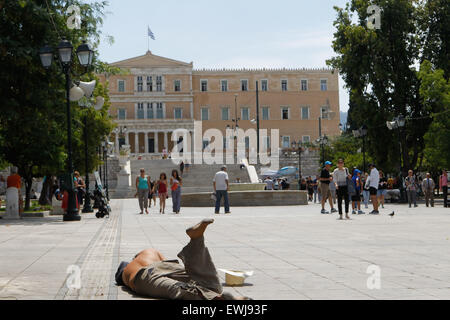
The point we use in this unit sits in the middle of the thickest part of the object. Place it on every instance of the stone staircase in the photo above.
(199, 177)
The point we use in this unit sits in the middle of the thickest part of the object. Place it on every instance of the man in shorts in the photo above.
(325, 179)
(374, 180)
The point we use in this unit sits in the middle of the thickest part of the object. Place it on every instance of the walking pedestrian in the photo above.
(333, 192)
(428, 190)
(374, 180)
(221, 187)
(181, 168)
(443, 186)
(315, 189)
(310, 187)
(152, 194)
(142, 187)
(365, 181)
(411, 189)
(80, 186)
(356, 198)
(175, 185)
(325, 180)
(382, 189)
(340, 176)
(161, 186)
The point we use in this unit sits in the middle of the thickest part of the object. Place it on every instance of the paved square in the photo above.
(296, 252)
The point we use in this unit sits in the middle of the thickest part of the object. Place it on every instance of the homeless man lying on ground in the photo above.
(150, 274)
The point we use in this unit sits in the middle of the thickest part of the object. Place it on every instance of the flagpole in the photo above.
(148, 39)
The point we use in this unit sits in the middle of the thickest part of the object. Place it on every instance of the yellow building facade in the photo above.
(158, 95)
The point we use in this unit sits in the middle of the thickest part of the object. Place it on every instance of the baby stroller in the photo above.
(100, 198)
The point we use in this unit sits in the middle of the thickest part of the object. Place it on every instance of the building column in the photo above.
(155, 135)
(136, 142)
(146, 142)
(127, 138)
(166, 141)
(117, 143)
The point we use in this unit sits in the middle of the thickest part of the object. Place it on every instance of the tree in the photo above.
(435, 92)
(32, 99)
(378, 69)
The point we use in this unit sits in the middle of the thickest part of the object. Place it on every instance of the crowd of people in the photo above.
(354, 186)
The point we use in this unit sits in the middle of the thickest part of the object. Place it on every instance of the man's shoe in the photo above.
(353, 212)
(228, 212)
(333, 210)
(216, 212)
(361, 212)
(324, 212)
(415, 206)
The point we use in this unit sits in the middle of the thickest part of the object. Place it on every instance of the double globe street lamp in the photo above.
(85, 56)
(398, 123)
(298, 147)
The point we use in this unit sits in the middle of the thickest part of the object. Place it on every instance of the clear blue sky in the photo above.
(226, 33)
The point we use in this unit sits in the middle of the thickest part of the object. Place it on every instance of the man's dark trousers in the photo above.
(219, 195)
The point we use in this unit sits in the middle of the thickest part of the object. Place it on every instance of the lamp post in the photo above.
(235, 125)
(298, 147)
(398, 123)
(87, 199)
(85, 56)
(362, 132)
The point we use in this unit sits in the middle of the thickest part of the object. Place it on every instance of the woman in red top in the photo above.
(161, 184)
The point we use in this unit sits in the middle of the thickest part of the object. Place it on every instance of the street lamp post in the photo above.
(298, 147)
(398, 123)
(87, 199)
(85, 56)
(120, 131)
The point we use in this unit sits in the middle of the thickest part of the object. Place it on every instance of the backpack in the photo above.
(350, 185)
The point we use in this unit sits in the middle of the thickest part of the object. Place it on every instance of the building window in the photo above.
(305, 113)
(264, 85)
(247, 143)
(284, 85)
(121, 86)
(245, 114)
(178, 112)
(149, 83)
(159, 83)
(150, 114)
(205, 144)
(139, 84)
(224, 85)
(304, 85)
(140, 111)
(205, 114)
(204, 85)
(285, 113)
(121, 114)
(244, 85)
(226, 114)
(306, 139)
(177, 85)
(159, 110)
(323, 85)
(286, 141)
(265, 113)
(324, 112)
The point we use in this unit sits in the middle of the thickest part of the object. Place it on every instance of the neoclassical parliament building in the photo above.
(158, 95)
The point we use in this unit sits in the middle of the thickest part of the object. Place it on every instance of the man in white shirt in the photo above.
(221, 187)
(374, 180)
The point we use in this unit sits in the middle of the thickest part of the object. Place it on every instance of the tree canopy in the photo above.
(33, 134)
(380, 68)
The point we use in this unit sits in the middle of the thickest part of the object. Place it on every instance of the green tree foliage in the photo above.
(378, 69)
(349, 149)
(435, 91)
(32, 99)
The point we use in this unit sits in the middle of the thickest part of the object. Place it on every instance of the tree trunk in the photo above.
(28, 186)
(46, 193)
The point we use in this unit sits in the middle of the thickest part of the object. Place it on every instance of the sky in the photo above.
(225, 34)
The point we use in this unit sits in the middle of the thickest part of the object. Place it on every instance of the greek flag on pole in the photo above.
(150, 34)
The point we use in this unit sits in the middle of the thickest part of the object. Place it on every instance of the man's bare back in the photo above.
(141, 260)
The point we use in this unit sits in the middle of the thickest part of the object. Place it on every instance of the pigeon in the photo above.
(392, 214)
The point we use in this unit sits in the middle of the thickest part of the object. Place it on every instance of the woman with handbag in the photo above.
(356, 198)
(175, 186)
(342, 179)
